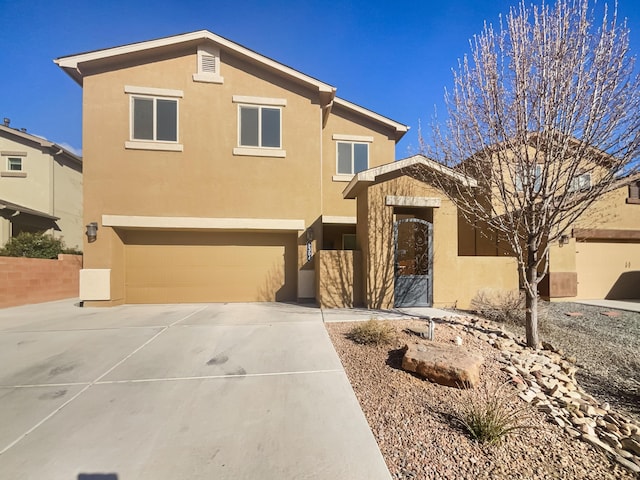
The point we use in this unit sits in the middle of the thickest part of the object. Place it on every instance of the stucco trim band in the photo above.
(203, 223)
(398, 201)
(161, 92)
(336, 219)
(605, 234)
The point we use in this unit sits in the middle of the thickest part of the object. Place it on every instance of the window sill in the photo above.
(633, 201)
(342, 178)
(207, 78)
(260, 152)
(167, 147)
(14, 174)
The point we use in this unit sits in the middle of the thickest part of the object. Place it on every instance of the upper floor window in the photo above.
(154, 118)
(353, 157)
(14, 164)
(580, 182)
(522, 181)
(259, 126)
(634, 192)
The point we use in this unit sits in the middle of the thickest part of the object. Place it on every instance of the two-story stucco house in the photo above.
(214, 173)
(40, 187)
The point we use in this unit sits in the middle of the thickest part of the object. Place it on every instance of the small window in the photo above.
(352, 158)
(154, 119)
(521, 179)
(634, 193)
(348, 241)
(260, 127)
(580, 182)
(14, 164)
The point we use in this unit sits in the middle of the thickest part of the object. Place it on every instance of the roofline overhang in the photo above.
(370, 176)
(72, 64)
(53, 148)
(4, 205)
(399, 128)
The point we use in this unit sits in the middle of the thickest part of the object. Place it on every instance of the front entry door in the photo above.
(413, 285)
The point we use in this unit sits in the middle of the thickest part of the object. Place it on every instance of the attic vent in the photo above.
(208, 64)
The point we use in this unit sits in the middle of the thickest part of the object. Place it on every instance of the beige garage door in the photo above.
(181, 267)
(608, 270)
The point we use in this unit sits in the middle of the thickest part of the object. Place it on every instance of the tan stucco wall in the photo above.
(338, 278)
(456, 280)
(206, 179)
(600, 264)
(52, 185)
(608, 270)
(381, 151)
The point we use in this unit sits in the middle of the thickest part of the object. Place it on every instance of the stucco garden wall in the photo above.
(338, 278)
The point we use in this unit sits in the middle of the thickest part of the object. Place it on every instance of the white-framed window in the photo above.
(14, 164)
(351, 157)
(580, 182)
(154, 114)
(260, 126)
(521, 179)
(154, 119)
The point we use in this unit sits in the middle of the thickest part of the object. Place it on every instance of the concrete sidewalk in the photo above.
(628, 305)
(224, 391)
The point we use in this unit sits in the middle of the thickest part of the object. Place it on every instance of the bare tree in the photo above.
(544, 101)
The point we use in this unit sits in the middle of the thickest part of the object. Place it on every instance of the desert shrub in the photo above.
(500, 305)
(490, 413)
(35, 245)
(372, 332)
(508, 306)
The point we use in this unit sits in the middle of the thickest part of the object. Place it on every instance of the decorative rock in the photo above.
(527, 396)
(593, 440)
(457, 340)
(631, 445)
(627, 463)
(443, 364)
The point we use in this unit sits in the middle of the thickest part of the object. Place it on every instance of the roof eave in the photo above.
(368, 177)
(71, 64)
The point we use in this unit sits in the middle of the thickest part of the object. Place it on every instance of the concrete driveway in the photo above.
(217, 391)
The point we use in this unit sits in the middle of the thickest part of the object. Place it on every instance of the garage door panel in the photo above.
(608, 270)
(210, 267)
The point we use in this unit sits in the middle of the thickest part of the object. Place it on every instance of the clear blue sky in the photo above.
(392, 57)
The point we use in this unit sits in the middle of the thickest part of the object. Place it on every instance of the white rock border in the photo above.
(546, 379)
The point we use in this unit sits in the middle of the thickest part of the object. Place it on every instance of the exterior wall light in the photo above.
(309, 235)
(564, 239)
(92, 231)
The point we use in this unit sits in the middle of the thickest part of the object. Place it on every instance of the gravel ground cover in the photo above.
(414, 421)
(606, 349)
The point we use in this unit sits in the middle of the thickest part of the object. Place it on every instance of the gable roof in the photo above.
(370, 176)
(75, 66)
(52, 148)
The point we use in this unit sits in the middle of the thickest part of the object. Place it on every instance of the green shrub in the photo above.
(490, 414)
(35, 245)
(372, 332)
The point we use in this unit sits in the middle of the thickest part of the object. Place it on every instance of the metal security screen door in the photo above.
(413, 240)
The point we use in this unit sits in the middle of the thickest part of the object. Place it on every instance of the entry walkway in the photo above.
(216, 391)
(628, 305)
(363, 314)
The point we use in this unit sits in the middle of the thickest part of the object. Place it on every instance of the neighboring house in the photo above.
(40, 187)
(216, 174)
(597, 255)
(599, 258)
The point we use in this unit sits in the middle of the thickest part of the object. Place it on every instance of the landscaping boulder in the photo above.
(448, 365)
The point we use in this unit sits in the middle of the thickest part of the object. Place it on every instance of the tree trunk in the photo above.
(531, 292)
(532, 317)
